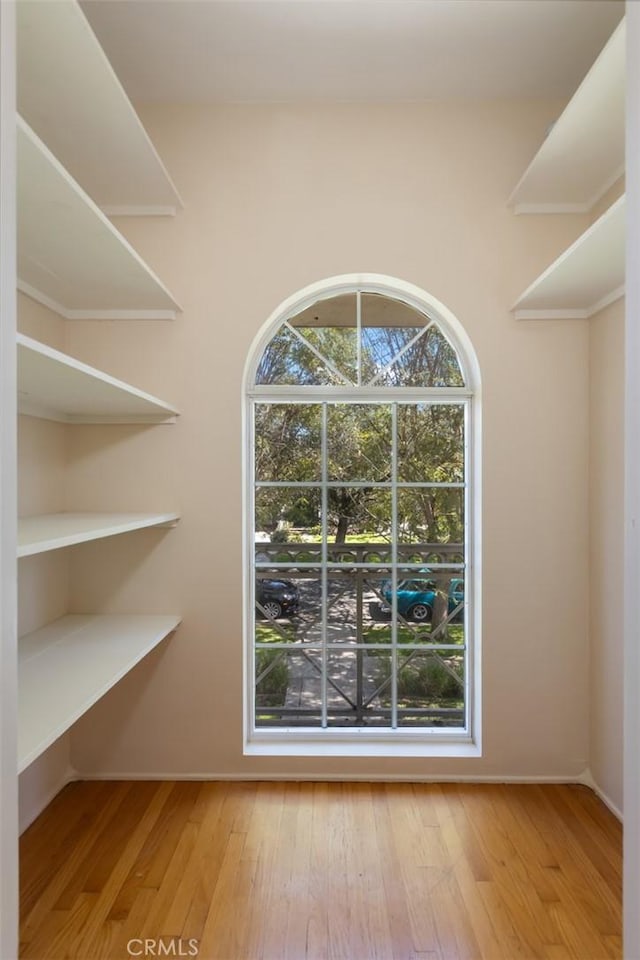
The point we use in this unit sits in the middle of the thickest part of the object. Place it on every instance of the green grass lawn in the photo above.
(268, 633)
(376, 633)
(381, 633)
(369, 537)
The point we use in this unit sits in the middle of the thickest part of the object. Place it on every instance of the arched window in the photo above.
(361, 427)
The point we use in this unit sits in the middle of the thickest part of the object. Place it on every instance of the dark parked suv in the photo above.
(276, 598)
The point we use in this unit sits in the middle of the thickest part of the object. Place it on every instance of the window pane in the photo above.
(290, 360)
(377, 688)
(287, 516)
(429, 362)
(431, 689)
(414, 604)
(357, 515)
(429, 609)
(376, 607)
(287, 441)
(430, 443)
(387, 326)
(330, 326)
(344, 606)
(308, 625)
(276, 602)
(271, 683)
(288, 691)
(354, 698)
(342, 692)
(288, 606)
(359, 441)
(425, 554)
(379, 630)
(351, 596)
(431, 515)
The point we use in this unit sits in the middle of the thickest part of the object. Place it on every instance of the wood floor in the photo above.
(313, 871)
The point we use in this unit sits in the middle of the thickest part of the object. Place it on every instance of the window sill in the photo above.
(361, 747)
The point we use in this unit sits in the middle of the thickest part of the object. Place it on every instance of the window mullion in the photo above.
(324, 570)
(394, 565)
(251, 546)
(467, 528)
(359, 337)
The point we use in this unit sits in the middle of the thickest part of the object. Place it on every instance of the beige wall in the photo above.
(277, 197)
(39, 322)
(606, 503)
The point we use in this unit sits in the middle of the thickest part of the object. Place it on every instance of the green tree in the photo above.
(430, 436)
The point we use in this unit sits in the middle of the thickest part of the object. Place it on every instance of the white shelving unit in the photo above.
(54, 386)
(66, 90)
(580, 160)
(585, 278)
(67, 666)
(70, 257)
(52, 531)
(82, 154)
(583, 154)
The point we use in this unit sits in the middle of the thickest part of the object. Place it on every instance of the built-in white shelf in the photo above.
(57, 387)
(69, 94)
(583, 154)
(585, 278)
(70, 256)
(52, 531)
(65, 667)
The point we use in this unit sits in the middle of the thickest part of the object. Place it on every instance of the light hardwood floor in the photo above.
(313, 871)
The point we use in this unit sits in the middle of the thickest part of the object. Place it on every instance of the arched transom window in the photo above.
(359, 544)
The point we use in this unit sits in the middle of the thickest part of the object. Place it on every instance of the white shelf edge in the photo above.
(606, 301)
(110, 646)
(551, 208)
(163, 412)
(557, 208)
(120, 315)
(66, 314)
(89, 312)
(139, 211)
(591, 77)
(106, 79)
(570, 313)
(42, 412)
(581, 314)
(53, 531)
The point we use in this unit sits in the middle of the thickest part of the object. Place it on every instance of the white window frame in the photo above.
(350, 741)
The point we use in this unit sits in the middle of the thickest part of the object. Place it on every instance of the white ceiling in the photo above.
(264, 50)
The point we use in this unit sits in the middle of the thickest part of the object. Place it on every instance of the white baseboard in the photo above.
(584, 779)
(587, 780)
(33, 811)
(333, 777)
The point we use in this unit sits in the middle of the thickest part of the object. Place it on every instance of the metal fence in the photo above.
(358, 693)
